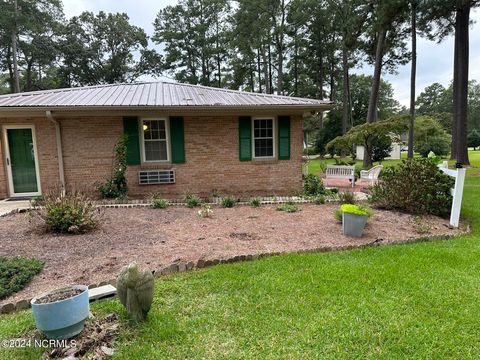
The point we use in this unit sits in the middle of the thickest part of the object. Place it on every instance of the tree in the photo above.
(445, 17)
(366, 134)
(474, 139)
(194, 34)
(430, 136)
(413, 76)
(98, 49)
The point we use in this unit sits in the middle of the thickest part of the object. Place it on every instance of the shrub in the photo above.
(473, 139)
(356, 210)
(255, 202)
(346, 197)
(228, 202)
(192, 200)
(337, 213)
(416, 186)
(205, 211)
(320, 199)
(287, 207)
(157, 202)
(16, 272)
(381, 147)
(116, 186)
(313, 185)
(71, 213)
(429, 136)
(323, 166)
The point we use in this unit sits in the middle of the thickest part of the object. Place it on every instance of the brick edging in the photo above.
(182, 266)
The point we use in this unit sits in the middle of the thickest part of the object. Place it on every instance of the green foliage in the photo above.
(332, 127)
(287, 207)
(416, 187)
(313, 185)
(430, 136)
(157, 202)
(346, 197)
(116, 187)
(72, 213)
(228, 202)
(192, 200)
(16, 272)
(381, 148)
(473, 139)
(320, 199)
(356, 210)
(337, 214)
(255, 202)
(368, 133)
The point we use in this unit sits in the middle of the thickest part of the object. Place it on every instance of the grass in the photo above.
(16, 273)
(408, 301)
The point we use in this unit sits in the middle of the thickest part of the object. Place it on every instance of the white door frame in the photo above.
(8, 163)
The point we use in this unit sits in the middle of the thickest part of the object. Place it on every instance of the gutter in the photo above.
(58, 136)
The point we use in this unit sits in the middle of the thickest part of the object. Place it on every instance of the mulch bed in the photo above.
(156, 238)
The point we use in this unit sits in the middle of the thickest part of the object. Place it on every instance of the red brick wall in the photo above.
(211, 150)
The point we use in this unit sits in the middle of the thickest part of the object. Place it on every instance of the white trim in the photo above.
(142, 140)
(9, 164)
(274, 136)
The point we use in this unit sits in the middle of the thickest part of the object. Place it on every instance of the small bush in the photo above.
(337, 214)
(320, 199)
(158, 203)
(323, 166)
(206, 211)
(313, 185)
(255, 202)
(429, 136)
(16, 272)
(346, 197)
(287, 207)
(416, 187)
(192, 200)
(228, 202)
(72, 213)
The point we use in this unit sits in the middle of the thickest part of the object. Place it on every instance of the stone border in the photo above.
(182, 266)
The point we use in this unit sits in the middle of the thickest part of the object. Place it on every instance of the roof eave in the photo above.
(107, 110)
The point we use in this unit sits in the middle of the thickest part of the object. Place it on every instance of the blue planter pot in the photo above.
(62, 319)
(353, 225)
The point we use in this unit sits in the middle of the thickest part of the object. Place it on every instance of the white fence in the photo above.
(456, 191)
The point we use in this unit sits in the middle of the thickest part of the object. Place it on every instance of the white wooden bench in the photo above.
(340, 172)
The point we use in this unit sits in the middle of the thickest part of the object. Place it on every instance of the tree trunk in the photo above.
(259, 71)
(15, 80)
(372, 114)
(346, 94)
(453, 150)
(413, 80)
(270, 78)
(265, 71)
(373, 103)
(461, 93)
(295, 67)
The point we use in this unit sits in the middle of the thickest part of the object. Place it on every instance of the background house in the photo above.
(180, 138)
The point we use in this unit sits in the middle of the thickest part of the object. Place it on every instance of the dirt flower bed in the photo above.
(155, 238)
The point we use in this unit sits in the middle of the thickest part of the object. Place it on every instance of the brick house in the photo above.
(180, 138)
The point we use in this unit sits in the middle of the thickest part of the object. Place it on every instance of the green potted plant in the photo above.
(354, 219)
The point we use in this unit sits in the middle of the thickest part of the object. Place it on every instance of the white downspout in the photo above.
(58, 136)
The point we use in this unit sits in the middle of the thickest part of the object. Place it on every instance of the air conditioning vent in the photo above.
(151, 177)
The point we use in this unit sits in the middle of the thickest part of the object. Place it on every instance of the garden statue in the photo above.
(135, 291)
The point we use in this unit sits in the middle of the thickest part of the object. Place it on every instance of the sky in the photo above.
(434, 61)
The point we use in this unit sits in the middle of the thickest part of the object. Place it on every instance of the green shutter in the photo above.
(284, 137)
(245, 137)
(177, 140)
(130, 129)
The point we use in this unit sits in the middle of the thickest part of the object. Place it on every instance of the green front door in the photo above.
(22, 161)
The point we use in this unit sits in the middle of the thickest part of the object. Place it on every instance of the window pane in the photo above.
(154, 130)
(263, 147)
(155, 150)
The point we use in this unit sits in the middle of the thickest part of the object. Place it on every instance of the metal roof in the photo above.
(150, 95)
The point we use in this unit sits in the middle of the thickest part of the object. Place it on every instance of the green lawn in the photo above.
(408, 301)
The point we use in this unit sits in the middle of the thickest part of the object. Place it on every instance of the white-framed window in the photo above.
(263, 134)
(155, 140)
